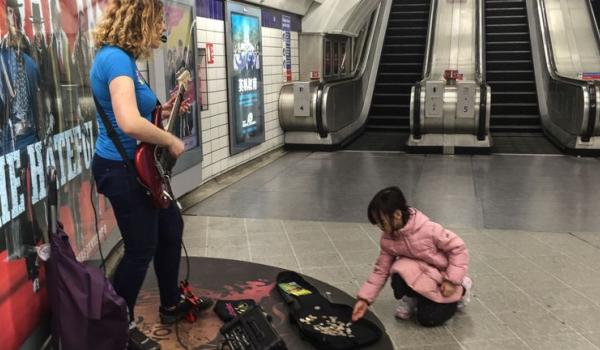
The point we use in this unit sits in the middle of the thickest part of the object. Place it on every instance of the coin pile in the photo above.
(329, 325)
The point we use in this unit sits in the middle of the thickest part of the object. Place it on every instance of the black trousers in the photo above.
(148, 234)
(429, 313)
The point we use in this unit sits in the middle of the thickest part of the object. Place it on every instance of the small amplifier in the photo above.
(252, 331)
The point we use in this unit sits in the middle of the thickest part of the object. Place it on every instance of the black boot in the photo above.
(170, 316)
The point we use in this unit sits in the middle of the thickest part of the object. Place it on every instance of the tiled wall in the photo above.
(214, 121)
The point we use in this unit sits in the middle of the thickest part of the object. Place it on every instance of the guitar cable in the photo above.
(102, 259)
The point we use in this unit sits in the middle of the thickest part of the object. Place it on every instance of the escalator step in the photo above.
(514, 96)
(395, 67)
(395, 87)
(509, 65)
(380, 98)
(506, 19)
(409, 14)
(505, 11)
(404, 39)
(504, 3)
(508, 45)
(506, 86)
(498, 75)
(512, 108)
(379, 110)
(407, 31)
(403, 57)
(501, 37)
(506, 28)
(508, 55)
(401, 65)
(408, 48)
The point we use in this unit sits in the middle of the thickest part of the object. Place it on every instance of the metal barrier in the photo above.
(446, 114)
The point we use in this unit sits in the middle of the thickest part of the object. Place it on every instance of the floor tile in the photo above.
(504, 344)
(308, 260)
(477, 327)
(571, 341)
(262, 226)
(267, 238)
(330, 274)
(353, 246)
(272, 249)
(560, 298)
(449, 346)
(533, 323)
(594, 338)
(409, 334)
(584, 320)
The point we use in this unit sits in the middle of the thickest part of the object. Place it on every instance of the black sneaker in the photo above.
(182, 309)
(139, 341)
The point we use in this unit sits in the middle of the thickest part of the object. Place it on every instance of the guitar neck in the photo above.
(175, 111)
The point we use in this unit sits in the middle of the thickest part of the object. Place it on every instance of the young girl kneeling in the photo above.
(428, 263)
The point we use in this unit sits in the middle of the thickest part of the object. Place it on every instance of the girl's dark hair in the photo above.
(385, 203)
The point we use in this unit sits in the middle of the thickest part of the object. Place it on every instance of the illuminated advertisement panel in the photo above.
(245, 82)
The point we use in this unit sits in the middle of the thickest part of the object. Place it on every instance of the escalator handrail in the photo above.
(549, 51)
(430, 39)
(595, 22)
(590, 87)
(480, 70)
(358, 73)
(416, 111)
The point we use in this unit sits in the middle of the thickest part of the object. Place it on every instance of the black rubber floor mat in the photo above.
(379, 141)
(523, 145)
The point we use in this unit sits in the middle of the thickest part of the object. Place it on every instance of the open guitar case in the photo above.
(326, 325)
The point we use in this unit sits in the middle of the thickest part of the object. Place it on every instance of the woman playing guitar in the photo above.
(129, 31)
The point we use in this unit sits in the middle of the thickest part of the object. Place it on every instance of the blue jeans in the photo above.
(148, 233)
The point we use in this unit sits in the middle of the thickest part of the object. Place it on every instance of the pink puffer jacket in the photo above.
(424, 254)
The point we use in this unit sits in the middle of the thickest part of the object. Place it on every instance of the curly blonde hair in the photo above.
(130, 25)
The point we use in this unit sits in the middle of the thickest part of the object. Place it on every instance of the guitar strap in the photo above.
(112, 134)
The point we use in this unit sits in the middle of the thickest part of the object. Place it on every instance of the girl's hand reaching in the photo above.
(447, 288)
(360, 308)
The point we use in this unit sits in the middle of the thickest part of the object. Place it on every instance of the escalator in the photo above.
(515, 120)
(401, 66)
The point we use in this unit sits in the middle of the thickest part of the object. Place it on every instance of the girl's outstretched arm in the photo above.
(371, 288)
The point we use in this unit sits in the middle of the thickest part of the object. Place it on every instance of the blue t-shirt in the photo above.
(112, 62)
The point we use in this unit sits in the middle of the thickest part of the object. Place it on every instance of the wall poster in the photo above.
(286, 27)
(245, 80)
(47, 117)
(179, 52)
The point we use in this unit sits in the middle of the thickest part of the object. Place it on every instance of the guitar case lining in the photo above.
(326, 325)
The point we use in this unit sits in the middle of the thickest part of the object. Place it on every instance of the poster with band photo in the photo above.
(245, 79)
(47, 118)
(179, 52)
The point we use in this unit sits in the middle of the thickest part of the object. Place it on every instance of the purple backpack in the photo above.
(87, 313)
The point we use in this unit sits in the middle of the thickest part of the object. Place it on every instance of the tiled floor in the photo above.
(533, 290)
(531, 224)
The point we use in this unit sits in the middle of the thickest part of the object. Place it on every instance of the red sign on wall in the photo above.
(210, 53)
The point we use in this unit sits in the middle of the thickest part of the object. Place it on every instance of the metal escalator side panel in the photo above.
(566, 103)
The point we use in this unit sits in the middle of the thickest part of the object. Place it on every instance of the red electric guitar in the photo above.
(154, 163)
